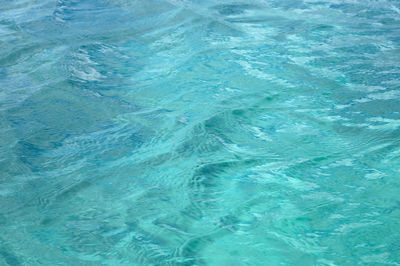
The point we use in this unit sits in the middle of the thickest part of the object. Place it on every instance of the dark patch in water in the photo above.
(233, 9)
(10, 258)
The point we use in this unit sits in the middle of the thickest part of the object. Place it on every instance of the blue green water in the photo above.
(188, 132)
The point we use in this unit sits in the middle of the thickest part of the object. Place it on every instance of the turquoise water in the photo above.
(187, 132)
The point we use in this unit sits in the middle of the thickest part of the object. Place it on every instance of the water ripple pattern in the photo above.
(187, 132)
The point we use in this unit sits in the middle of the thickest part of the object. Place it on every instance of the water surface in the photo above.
(187, 132)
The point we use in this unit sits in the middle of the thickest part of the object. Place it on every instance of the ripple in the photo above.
(185, 132)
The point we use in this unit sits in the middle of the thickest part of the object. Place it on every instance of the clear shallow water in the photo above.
(199, 132)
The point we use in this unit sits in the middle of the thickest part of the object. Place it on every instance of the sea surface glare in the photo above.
(188, 132)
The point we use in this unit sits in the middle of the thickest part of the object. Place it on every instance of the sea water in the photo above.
(188, 132)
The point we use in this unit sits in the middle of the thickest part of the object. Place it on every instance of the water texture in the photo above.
(188, 132)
